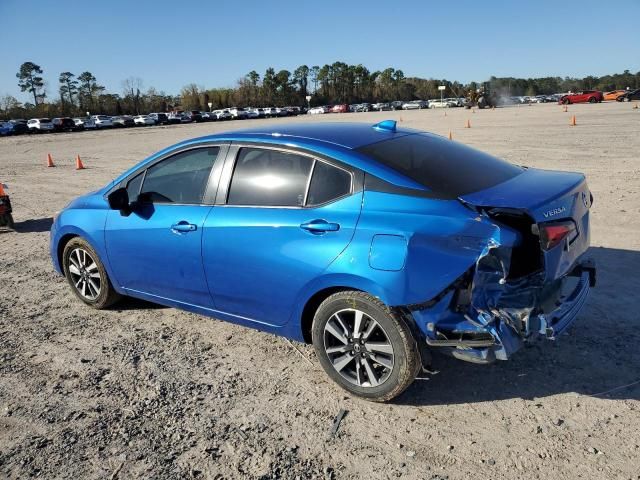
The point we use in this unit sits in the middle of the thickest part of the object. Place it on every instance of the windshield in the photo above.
(447, 168)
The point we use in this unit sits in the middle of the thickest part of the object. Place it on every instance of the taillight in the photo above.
(551, 234)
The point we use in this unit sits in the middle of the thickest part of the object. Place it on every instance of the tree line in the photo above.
(327, 84)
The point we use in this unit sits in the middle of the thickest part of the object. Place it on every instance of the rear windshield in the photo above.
(446, 168)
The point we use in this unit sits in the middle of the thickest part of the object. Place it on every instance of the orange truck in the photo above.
(614, 94)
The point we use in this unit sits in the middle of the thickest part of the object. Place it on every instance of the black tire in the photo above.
(592, 100)
(566, 101)
(403, 364)
(6, 220)
(106, 295)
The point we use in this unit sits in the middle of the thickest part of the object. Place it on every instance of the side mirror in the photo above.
(119, 200)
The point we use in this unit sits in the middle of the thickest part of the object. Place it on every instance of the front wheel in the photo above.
(592, 100)
(364, 346)
(86, 275)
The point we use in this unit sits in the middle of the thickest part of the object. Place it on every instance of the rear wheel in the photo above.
(592, 100)
(365, 347)
(86, 275)
(566, 101)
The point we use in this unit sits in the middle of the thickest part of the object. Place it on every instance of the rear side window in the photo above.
(181, 178)
(448, 169)
(265, 177)
(328, 183)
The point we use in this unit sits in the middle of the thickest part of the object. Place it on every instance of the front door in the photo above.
(157, 249)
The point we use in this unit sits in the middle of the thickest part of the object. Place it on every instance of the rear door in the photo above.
(284, 217)
(157, 249)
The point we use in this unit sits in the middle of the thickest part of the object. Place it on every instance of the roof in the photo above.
(334, 139)
(344, 134)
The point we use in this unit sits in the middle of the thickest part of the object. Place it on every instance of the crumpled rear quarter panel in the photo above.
(444, 239)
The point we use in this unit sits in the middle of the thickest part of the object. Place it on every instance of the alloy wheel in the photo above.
(358, 348)
(84, 273)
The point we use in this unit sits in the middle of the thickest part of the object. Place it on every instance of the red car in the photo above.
(591, 96)
(342, 108)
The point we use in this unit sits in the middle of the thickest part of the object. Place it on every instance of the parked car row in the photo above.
(98, 122)
(583, 96)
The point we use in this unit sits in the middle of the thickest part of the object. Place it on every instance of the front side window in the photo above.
(265, 177)
(133, 186)
(181, 178)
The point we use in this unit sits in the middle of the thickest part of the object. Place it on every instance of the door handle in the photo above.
(183, 226)
(320, 226)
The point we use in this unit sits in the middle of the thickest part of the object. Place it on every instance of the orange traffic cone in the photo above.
(79, 165)
(2, 193)
(573, 121)
(450, 135)
(50, 161)
(468, 124)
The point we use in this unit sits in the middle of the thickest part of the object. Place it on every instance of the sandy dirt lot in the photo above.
(142, 391)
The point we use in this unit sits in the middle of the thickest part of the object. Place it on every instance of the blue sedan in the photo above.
(377, 244)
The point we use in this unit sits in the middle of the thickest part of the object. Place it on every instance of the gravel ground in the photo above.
(143, 391)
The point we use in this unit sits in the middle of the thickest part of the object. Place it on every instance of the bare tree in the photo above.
(131, 88)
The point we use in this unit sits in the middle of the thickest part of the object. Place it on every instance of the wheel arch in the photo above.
(95, 240)
(312, 304)
(64, 240)
(321, 289)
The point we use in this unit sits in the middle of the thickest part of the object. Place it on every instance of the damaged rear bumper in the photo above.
(496, 325)
(560, 319)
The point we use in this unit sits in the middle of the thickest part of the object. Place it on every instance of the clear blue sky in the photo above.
(169, 44)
